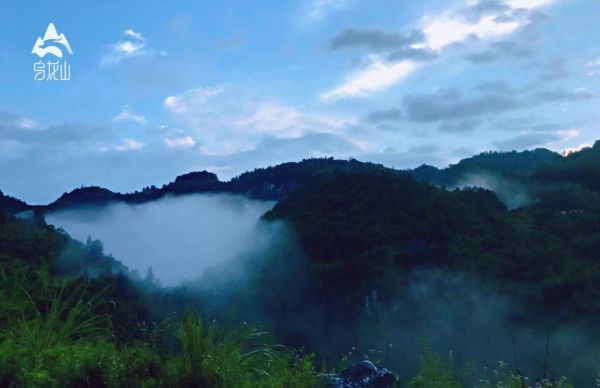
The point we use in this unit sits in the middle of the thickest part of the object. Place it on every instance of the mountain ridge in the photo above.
(535, 169)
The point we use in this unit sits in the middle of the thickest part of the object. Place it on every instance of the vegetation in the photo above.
(72, 316)
(62, 327)
(380, 226)
(582, 167)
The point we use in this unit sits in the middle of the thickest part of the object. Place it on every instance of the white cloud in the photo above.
(273, 118)
(134, 45)
(378, 75)
(127, 115)
(192, 97)
(594, 67)
(179, 142)
(125, 145)
(134, 34)
(223, 122)
(440, 31)
(528, 4)
(447, 29)
(320, 8)
(568, 134)
(277, 119)
(26, 123)
(128, 47)
(572, 150)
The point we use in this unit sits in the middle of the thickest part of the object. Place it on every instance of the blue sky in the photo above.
(161, 88)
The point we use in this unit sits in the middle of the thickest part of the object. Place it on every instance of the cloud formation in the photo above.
(456, 111)
(224, 124)
(536, 139)
(391, 114)
(378, 75)
(375, 39)
(395, 56)
(451, 104)
(134, 45)
(127, 115)
(125, 145)
(320, 8)
(179, 142)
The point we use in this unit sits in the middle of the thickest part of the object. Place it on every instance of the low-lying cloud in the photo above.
(179, 237)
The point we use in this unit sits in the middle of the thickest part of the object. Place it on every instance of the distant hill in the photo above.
(12, 205)
(92, 195)
(538, 177)
(270, 183)
(274, 182)
(516, 165)
(363, 231)
(194, 182)
(582, 167)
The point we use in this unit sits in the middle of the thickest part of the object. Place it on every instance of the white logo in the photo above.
(57, 70)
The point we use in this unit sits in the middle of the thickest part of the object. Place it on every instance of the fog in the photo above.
(456, 312)
(179, 237)
(510, 192)
(214, 246)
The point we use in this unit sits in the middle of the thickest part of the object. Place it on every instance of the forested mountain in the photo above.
(12, 205)
(545, 175)
(72, 315)
(582, 167)
(269, 183)
(517, 165)
(365, 229)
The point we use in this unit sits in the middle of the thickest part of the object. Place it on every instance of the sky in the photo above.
(161, 88)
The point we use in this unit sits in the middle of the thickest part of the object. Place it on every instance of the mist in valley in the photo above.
(178, 237)
(512, 193)
(218, 247)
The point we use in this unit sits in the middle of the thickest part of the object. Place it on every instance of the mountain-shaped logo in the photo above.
(50, 43)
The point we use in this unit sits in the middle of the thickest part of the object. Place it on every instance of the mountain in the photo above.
(363, 232)
(582, 168)
(538, 177)
(12, 205)
(515, 165)
(271, 183)
(92, 195)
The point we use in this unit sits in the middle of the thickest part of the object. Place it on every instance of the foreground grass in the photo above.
(204, 361)
(61, 342)
(69, 346)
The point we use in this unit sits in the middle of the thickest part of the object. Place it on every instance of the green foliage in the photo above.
(581, 167)
(62, 342)
(61, 328)
(138, 365)
(71, 316)
(77, 364)
(503, 377)
(363, 231)
(66, 319)
(437, 372)
(233, 358)
(69, 346)
(514, 165)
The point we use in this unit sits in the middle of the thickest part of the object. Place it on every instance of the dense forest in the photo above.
(358, 238)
